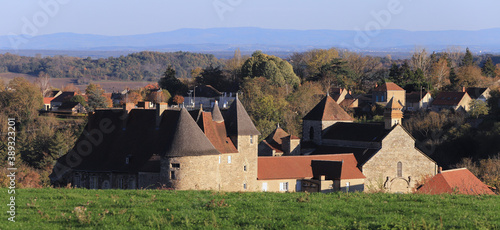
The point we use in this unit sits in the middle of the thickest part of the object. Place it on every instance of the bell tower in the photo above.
(393, 114)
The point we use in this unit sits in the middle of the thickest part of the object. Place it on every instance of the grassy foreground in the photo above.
(161, 209)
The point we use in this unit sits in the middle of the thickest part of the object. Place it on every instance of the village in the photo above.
(211, 143)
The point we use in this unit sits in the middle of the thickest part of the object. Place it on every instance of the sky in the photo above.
(129, 17)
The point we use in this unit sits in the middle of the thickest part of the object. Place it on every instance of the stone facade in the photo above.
(398, 165)
(223, 172)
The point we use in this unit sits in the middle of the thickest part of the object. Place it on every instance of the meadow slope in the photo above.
(50, 208)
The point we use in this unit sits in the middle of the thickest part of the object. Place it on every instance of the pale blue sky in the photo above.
(127, 17)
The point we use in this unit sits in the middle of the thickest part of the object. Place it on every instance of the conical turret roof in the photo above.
(188, 139)
(238, 122)
(216, 114)
(328, 110)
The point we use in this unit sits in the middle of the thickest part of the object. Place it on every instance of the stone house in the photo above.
(455, 181)
(46, 103)
(344, 98)
(279, 143)
(326, 113)
(416, 101)
(315, 173)
(385, 152)
(60, 99)
(451, 100)
(383, 93)
(150, 148)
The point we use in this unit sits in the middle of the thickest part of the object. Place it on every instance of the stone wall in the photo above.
(224, 172)
(317, 130)
(381, 170)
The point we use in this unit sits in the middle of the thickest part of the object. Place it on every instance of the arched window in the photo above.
(311, 133)
(400, 169)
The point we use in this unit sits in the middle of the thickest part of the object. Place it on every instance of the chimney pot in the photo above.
(440, 169)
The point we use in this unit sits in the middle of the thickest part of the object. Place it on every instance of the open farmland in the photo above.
(109, 86)
(50, 208)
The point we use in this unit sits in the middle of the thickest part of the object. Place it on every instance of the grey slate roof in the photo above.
(216, 114)
(188, 139)
(238, 122)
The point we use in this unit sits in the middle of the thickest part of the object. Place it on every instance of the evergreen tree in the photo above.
(489, 68)
(468, 59)
(395, 74)
(171, 83)
(453, 77)
(96, 98)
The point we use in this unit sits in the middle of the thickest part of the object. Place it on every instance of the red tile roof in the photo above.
(216, 133)
(388, 86)
(47, 100)
(299, 167)
(328, 110)
(460, 181)
(448, 98)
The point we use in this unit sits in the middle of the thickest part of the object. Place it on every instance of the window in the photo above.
(284, 186)
(176, 165)
(311, 133)
(264, 186)
(245, 186)
(76, 181)
(172, 175)
(219, 159)
(347, 184)
(244, 168)
(400, 169)
(127, 160)
(229, 159)
(251, 139)
(93, 182)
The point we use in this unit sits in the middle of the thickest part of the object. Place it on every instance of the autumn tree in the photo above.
(158, 96)
(22, 101)
(468, 76)
(178, 99)
(132, 97)
(440, 72)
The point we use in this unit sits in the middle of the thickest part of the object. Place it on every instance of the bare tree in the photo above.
(420, 60)
(43, 82)
(455, 55)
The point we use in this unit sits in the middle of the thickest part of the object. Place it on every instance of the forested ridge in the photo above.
(142, 66)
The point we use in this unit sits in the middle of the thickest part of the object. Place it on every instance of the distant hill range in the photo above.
(278, 40)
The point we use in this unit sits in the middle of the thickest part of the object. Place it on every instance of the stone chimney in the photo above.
(160, 108)
(290, 145)
(128, 106)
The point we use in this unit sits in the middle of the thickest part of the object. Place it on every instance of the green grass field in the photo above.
(162, 209)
